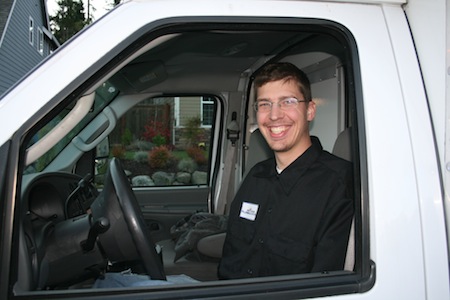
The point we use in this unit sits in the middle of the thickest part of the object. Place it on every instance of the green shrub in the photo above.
(187, 165)
(127, 137)
(141, 156)
(144, 145)
(192, 131)
(159, 140)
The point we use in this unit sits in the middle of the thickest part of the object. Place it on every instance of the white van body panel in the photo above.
(394, 201)
(426, 17)
(407, 225)
(428, 177)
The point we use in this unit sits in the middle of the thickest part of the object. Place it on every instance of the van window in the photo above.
(166, 141)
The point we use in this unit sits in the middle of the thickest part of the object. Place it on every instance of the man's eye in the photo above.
(289, 102)
(263, 104)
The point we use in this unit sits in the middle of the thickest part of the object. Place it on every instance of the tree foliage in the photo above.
(69, 19)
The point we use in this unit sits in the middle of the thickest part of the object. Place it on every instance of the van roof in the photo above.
(373, 1)
(356, 1)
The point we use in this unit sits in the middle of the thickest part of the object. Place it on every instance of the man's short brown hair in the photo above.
(283, 71)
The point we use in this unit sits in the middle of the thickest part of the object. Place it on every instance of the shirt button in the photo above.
(250, 271)
(269, 210)
(261, 241)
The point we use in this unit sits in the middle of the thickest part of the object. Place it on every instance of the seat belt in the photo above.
(226, 189)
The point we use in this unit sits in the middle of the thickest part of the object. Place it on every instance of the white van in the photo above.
(142, 127)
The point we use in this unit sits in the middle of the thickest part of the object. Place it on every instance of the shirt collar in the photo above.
(292, 173)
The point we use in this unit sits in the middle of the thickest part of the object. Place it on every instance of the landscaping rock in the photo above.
(199, 177)
(161, 178)
(183, 177)
(142, 180)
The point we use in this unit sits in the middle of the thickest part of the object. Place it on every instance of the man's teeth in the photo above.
(277, 130)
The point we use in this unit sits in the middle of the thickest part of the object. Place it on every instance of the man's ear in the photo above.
(311, 111)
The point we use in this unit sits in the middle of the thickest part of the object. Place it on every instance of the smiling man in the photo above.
(292, 214)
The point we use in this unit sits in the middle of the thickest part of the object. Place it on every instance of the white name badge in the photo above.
(249, 211)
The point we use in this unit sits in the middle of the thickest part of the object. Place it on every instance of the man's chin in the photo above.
(278, 148)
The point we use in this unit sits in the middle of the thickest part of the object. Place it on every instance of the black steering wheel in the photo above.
(128, 238)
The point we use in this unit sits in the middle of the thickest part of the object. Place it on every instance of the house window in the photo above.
(207, 111)
(31, 31)
(40, 44)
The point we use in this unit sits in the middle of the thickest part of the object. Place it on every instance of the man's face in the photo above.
(285, 130)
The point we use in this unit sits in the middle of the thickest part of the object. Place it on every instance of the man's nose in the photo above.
(276, 112)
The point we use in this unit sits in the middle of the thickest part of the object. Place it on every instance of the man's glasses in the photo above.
(285, 104)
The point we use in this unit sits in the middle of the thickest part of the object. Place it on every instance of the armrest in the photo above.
(212, 245)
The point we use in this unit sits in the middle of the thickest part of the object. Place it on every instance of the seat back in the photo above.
(343, 145)
(258, 150)
(343, 149)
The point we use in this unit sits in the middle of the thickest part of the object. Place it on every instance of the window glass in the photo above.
(40, 41)
(161, 141)
(207, 111)
(104, 94)
(31, 31)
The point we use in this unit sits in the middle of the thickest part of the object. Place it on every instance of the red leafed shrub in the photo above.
(118, 151)
(159, 157)
(197, 154)
(156, 129)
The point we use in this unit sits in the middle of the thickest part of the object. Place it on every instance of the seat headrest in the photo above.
(258, 150)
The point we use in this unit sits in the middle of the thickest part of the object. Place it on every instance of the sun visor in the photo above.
(139, 76)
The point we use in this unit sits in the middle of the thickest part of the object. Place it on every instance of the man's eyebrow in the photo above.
(287, 97)
(278, 99)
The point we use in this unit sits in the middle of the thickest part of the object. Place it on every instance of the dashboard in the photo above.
(58, 196)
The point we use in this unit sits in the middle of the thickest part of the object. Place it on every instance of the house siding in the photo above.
(190, 106)
(17, 55)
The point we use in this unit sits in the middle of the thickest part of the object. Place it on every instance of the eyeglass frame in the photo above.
(255, 105)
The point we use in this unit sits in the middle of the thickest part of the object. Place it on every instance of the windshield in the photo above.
(103, 96)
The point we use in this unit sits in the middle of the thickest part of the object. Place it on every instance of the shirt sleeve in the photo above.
(333, 234)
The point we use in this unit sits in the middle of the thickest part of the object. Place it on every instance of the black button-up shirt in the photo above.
(290, 223)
